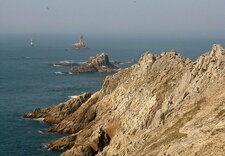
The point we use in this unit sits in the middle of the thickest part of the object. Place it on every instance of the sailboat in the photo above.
(80, 44)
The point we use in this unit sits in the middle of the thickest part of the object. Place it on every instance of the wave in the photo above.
(56, 65)
(117, 69)
(81, 62)
(45, 146)
(41, 132)
(128, 62)
(67, 61)
(25, 57)
(39, 119)
(73, 96)
(61, 73)
(58, 72)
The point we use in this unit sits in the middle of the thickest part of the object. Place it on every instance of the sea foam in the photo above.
(41, 132)
(39, 119)
(56, 65)
(58, 72)
(73, 96)
(67, 61)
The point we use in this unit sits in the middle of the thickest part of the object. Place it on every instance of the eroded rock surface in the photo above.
(165, 105)
(99, 63)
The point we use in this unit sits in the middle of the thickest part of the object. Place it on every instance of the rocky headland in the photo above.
(99, 63)
(165, 105)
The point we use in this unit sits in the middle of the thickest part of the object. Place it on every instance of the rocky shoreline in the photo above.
(164, 105)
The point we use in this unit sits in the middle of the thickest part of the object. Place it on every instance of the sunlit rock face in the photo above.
(164, 105)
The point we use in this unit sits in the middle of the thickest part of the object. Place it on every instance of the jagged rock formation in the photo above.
(57, 113)
(163, 105)
(99, 63)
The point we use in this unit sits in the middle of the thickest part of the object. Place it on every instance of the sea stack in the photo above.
(165, 105)
(99, 63)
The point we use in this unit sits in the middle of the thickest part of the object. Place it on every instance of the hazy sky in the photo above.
(151, 17)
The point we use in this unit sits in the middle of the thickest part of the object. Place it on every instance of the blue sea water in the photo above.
(27, 82)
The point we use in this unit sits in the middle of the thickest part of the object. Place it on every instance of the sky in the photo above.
(143, 17)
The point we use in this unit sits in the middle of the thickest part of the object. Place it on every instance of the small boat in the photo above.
(80, 44)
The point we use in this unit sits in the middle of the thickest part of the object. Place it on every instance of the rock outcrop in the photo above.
(164, 105)
(99, 63)
(57, 113)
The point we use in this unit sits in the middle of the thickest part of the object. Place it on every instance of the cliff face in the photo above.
(163, 105)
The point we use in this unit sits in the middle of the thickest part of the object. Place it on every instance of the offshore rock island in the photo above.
(99, 63)
(164, 105)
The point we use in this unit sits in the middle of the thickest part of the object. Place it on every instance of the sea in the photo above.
(27, 82)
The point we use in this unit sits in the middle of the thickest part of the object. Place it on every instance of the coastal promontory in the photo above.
(164, 105)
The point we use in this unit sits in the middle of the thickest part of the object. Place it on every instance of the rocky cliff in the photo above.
(99, 63)
(165, 105)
